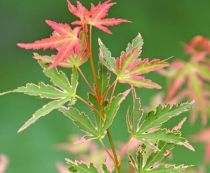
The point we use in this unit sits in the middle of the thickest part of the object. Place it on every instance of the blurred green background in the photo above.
(164, 25)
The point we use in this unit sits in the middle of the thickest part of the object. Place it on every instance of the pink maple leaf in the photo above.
(190, 80)
(95, 16)
(64, 39)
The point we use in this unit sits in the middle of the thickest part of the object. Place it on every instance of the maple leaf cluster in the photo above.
(71, 43)
(191, 79)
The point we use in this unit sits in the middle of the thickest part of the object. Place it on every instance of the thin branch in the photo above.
(99, 98)
(108, 89)
(117, 163)
(106, 149)
(86, 81)
(87, 103)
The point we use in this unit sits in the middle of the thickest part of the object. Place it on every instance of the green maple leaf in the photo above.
(60, 92)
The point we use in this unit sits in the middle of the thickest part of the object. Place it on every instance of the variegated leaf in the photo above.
(134, 116)
(159, 155)
(161, 115)
(128, 68)
(80, 119)
(152, 161)
(76, 166)
(58, 78)
(136, 42)
(106, 57)
(42, 90)
(63, 92)
(112, 108)
(46, 109)
(103, 78)
(170, 168)
(168, 136)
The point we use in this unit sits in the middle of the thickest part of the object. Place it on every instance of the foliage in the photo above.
(153, 161)
(191, 79)
(74, 48)
(128, 68)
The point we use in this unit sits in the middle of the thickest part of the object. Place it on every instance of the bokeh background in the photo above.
(164, 24)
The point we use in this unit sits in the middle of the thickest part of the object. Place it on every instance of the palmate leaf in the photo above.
(152, 161)
(128, 68)
(189, 78)
(64, 39)
(148, 128)
(155, 119)
(162, 114)
(95, 16)
(80, 119)
(61, 93)
(165, 135)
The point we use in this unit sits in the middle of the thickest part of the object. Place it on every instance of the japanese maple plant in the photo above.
(74, 48)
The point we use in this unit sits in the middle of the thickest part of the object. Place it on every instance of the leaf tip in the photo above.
(20, 130)
(21, 45)
(4, 93)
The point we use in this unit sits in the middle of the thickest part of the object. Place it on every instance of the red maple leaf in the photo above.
(64, 39)
(95, 16)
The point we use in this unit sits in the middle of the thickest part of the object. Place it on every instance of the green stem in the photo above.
(107, 151)
(117, 163)
(98, 95)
